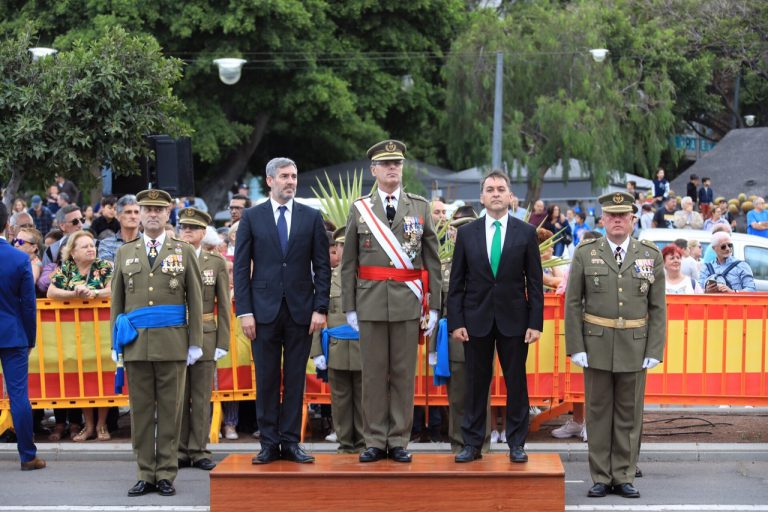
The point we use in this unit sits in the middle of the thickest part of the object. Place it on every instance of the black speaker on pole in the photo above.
(169, 167)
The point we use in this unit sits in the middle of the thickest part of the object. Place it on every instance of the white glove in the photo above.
(431, 323)
(219, 353)
(352, 320)
(193, 354)
(433, 359)
(650, 363)
(580, 359)
(114, 355)
(320, 362)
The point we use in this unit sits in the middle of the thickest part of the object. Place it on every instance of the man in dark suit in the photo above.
(496, 300)
(282, 282)
(18, 324)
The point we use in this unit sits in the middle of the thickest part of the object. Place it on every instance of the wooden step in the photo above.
(432, 482)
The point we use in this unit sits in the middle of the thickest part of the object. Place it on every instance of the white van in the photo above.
(750, 248)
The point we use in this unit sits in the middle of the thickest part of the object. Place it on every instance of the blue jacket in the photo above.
(18, 321)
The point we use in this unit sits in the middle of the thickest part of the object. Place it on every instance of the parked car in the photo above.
(750, 248)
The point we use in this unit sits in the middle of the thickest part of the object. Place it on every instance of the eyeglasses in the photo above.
(75, 222)
(726, 246)
(20, 242)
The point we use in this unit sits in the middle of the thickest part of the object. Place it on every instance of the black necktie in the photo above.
(617, 255)
(390, 208)
(152, 252)
(282, 229)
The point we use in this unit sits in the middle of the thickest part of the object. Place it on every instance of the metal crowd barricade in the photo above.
(716, 353)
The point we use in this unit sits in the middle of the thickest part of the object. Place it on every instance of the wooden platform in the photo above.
(431, 482)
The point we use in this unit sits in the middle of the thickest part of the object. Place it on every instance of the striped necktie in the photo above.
(617, 255)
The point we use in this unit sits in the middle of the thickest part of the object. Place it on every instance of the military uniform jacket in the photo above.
(597, 286)
(455, 347)
(388, 301)
(136, 285)
(215, 280)
(342, 354)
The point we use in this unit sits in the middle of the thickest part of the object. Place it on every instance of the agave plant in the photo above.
(336, 203)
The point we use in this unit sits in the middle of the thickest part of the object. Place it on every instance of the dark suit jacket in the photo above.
(17, 299)
(514, 299)
(260, 291)
(705, 195)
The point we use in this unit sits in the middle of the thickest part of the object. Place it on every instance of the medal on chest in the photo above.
(413, 229)
(644, 268)
(209, 277)
(173, 264)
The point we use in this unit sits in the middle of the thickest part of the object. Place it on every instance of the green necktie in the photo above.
(496, 248)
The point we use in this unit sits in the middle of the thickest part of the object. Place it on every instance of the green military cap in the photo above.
(389, 149)
(194, 217)
(618, 202)
(338, 235)
(154, 197)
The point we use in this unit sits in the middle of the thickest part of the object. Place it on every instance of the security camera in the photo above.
(749, 120)
(229, 70)
(599, 54)
(38, 52)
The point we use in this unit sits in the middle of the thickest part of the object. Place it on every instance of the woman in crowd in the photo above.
(83, 276)
(19, 205)
(555, 222)
(87, 217)
(554, 277)
(676, 281)
(28, 241)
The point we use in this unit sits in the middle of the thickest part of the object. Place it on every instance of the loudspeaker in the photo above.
(169, 167)
(173, 165)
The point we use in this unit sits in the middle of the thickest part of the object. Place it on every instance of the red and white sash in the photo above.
(387, 240)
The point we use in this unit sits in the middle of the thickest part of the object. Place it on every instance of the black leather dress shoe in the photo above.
(266, 455)
(184, 463)
(638, 473)
(626, 490)
(599, 491)
(399, 454)
(165, 488)
(141, 488)
(204, 464)
(295, 453)
(517, 454)
(468, 454)
(372, 455)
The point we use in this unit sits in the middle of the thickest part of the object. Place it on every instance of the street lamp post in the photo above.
(497, 113)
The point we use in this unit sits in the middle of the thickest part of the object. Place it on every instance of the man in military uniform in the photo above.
(390, 279)
(615, 327)
(155, 289)
(341, 357)
(196, 407)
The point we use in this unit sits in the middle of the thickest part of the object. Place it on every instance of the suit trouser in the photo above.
(290, 342)
(347, 408)
(457, 390)
(614, 407)
(478, 353)
(156, 392)
(15, 363)
(388, 351)
(196, 412)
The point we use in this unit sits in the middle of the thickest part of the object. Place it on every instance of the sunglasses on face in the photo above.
(723, 247)
(75, 222)
(20, 242)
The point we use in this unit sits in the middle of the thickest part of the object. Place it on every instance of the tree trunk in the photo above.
(215, 188)
(533, 192)
(13, 188)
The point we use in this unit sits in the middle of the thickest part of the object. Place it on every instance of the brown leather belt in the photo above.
(208, 317)
(615, 323)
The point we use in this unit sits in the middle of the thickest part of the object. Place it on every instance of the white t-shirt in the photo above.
(683, 287)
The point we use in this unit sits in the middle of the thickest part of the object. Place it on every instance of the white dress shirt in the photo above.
(490, 230)
(624, 246)
(288, 211)
(160, 241)
(384, 195)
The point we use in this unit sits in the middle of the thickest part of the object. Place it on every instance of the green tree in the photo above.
(91, 104)
(323, 81)
(558, 103)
